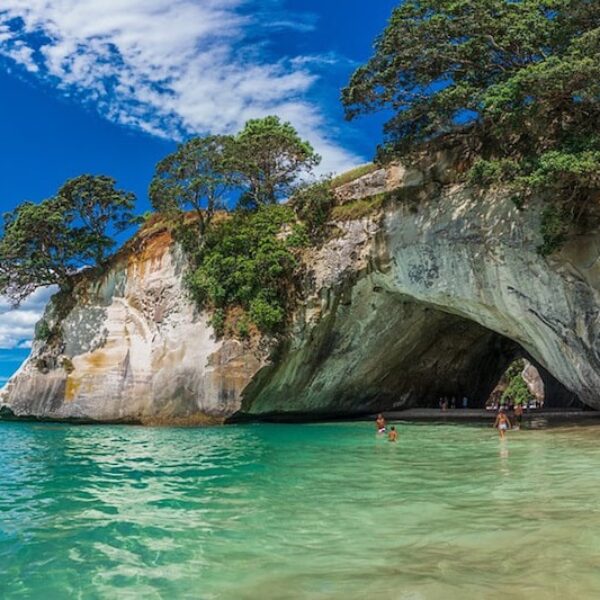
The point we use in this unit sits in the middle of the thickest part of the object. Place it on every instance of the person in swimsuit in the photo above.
(502, 423)
(393, 434)
(380, 423)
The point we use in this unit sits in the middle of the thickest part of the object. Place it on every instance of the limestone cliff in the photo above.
(133, 349)
(434, 291)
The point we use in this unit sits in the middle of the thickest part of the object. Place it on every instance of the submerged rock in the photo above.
(434, 293)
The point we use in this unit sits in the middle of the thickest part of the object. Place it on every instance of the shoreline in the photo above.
(549, 416)
(536, 418)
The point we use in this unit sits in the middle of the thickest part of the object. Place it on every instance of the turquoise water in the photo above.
(298, 511)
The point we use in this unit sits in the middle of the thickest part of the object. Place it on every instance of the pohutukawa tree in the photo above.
(525, 75)
(196, 177)
(269, 156)
(47, 243)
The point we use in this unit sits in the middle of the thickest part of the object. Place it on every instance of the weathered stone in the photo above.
(125, 364)
(426, 298)
(532, 378)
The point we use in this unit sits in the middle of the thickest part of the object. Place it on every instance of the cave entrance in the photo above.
(379, 351)
(421, 354)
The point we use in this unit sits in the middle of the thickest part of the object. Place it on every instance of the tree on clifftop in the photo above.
(45, 244)
(195, 177)
(524, 74)
(269, 156)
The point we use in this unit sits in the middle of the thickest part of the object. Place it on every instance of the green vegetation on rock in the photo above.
(354, 174)
(246, 262)
(47, 243)
(520, 79)
(516, 391)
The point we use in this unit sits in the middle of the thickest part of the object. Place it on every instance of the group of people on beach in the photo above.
(445, 403)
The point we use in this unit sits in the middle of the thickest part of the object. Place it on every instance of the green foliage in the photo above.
(554, 230)
(217, 320)
(93, 209)
(357, 209)
(195, 177)
(246, 262)
(46, 243)
(313, 204)
(243, 328)
(524, 75)
(266, 313)
(43, 331)
(516, 390)
(268, 156)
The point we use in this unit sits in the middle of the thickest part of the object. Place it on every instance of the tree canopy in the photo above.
(525, 75)
(46, 243)
(245, 262)
(195, 177)
(269, 156)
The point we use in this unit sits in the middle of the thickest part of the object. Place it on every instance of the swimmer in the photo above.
(502, 423)
(380, 423)
(393, 434)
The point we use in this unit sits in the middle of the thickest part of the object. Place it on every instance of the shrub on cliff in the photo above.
(522, 78)
(246, 262)
(312, 203)
(47, 243)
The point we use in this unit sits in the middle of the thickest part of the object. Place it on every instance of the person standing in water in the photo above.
(519, 414)
(502, 423)
(393, 434)
(380, 423)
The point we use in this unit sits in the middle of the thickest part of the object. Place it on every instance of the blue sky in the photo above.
(110, 86)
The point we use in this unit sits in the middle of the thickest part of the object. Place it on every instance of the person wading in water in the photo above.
(393, 434)
(380, 423)
(502, 423)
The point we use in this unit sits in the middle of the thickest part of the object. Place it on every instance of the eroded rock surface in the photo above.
(433, 295)
(402, 330)
(134, 349)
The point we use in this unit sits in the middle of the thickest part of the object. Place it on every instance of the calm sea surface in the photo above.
(298, 511)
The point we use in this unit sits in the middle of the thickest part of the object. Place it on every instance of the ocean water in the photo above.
(298, 511)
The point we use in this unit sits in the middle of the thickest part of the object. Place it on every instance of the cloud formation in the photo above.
(17, 325)
(171, 67)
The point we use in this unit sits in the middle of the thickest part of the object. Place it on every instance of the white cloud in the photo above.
(17, 325)
(170, 67)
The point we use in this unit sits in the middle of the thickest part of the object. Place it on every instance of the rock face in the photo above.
(133, 349)
(433, 294)
(534, 381)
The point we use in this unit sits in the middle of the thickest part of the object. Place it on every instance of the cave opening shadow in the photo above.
(460, 362)
(386, 353)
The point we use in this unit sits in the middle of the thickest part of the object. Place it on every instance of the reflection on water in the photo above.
(321, 511)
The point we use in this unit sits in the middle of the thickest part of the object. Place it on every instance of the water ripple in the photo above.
(323, 511)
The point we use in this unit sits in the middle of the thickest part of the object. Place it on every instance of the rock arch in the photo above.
(417, 302)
